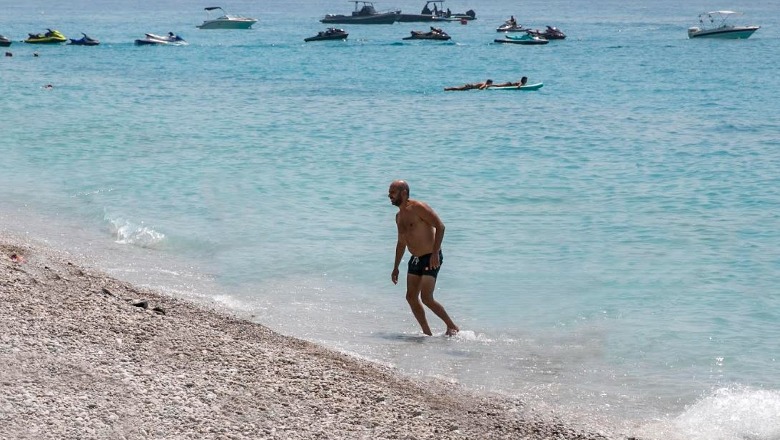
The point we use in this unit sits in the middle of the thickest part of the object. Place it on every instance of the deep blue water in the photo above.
(612, 245)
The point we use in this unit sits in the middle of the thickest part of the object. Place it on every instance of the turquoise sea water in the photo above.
(612, 246)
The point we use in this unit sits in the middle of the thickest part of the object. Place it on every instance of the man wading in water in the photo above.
(421, 231)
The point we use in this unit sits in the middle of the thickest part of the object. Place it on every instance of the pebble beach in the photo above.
(87, 356)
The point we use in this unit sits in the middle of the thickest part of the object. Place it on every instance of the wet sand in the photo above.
(86, 356)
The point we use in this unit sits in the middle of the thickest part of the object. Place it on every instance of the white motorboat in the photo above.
(226, 21)
(715, 25)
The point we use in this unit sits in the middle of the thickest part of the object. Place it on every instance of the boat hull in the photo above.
(524, 42)
(429, 37)
(84, 43)
(44, 41)
(518, 28)
(412, 18)
(147, 42)
(461, 19)
(327, 37)
(726, 33)
(228, 24)
(385, 18)
(415, 18)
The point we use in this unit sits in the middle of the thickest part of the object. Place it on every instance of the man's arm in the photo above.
(400, 248)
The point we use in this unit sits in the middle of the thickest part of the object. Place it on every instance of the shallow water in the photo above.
(612, 239)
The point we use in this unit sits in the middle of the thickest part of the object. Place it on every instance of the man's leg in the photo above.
(413, 298)
(427, 286)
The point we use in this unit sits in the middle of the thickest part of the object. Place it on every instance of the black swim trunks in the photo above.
(418, 265)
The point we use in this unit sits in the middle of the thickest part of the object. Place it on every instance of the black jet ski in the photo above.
(433, 34)
(551, 33)
(329, 34)
(86, 40)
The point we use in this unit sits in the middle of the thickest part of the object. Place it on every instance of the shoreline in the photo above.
(84, 355)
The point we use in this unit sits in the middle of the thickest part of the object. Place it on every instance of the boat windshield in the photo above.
(716, 18)
(438, 6)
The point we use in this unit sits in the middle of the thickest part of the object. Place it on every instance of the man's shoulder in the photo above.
(420, 209)
(414, 204)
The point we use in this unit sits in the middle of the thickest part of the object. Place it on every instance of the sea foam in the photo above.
(128, 232)
(727, 414)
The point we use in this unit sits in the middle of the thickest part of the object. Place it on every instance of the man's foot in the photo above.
(452, 331)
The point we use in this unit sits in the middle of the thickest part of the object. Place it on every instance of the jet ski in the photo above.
(527, 39)
(511, 28)
(551, 33)
(86, 40)
(511, 25)
(433, 34)
(153, 39)
(50, 37)
(4, 41)
(329, 34)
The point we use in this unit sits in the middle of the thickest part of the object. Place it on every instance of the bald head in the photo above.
(399, 192)
(401, 185)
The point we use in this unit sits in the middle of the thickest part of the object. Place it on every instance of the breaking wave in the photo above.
(127, 232)
(727, 414)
